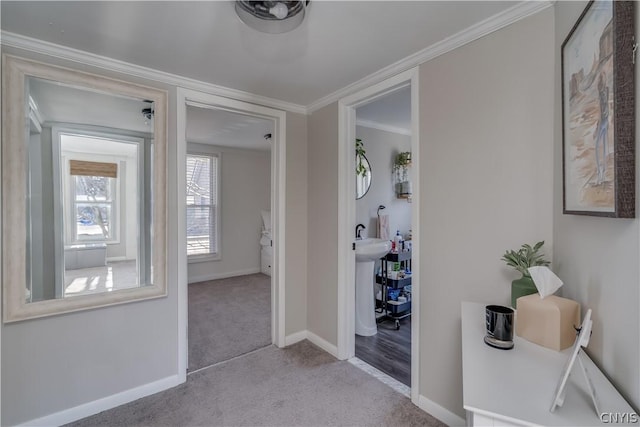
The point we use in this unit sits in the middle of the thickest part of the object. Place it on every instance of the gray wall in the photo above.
(597, 258)
(296, 219)
(486, 180)
(245, 190)
(59, 362)
(322, 272)
(381, 149)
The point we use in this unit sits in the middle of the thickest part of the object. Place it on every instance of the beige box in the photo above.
(548, 322)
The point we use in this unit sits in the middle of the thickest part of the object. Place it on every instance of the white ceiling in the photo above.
(391, 112)
(337, 44)
(228, 129)
(66, 104)
(60, 103)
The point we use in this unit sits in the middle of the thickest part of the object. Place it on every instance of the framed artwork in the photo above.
(598, 112)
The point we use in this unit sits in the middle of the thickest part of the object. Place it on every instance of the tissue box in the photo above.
(548, 322)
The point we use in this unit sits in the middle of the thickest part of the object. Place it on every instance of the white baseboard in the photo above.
(216, 276)
(117, 258)
(294, 338)
(92, 408)
(323, 344)
(441, 413)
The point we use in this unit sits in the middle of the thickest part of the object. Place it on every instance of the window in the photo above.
(94, 208)
(202, 205)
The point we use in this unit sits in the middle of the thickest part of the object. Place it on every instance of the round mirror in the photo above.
(363, 176)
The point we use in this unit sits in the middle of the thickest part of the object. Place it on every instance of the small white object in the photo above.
(402, 299)
(545, 280)
(280, 10)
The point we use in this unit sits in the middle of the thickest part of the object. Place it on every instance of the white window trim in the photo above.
(60, 175)
(114, 227)
(216, 256)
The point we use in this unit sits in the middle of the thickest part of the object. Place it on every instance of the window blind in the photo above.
(84, 168)
(202, 209)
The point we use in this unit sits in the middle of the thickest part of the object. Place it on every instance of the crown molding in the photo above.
(86, 58)
(380, 126)
(494, 23)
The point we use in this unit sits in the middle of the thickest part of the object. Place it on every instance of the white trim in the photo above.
(118, 259)
(347, 213)
(186, 97)
(295, 338)
(87, 58)
(87, 409)
(216, 276)
(323, 344)
(383, 377)
(417, 287)
(381, 126)
(468, 35)
(441, 413)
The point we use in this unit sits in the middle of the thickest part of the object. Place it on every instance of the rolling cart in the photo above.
(393, 310)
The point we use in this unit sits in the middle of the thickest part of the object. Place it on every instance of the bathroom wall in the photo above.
(381, 149)
(597, 258)
(245, 190)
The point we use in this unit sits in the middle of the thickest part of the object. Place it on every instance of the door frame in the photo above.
(347, 213)
(278, 195)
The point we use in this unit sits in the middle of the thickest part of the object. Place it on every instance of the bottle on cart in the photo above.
(397, 240)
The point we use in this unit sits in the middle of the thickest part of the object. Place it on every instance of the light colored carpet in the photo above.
(297, 386)
(227, 318)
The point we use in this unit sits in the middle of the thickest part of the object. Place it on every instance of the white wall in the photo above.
(381, 149)
(245, 190)
(598, 258)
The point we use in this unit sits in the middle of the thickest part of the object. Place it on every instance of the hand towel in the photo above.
(383, 227)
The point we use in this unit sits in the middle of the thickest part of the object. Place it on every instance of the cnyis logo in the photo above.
(619, 418)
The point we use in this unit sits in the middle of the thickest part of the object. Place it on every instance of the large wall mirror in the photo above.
(83, 190)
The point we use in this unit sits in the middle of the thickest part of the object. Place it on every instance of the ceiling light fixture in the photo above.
(272, 17)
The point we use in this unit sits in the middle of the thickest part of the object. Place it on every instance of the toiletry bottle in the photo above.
(398, 241)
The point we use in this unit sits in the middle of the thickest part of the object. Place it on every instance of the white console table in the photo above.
(516, 387)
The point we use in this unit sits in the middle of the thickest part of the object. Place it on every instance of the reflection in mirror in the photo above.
(363, 181)
(86, 171)
(93, 196)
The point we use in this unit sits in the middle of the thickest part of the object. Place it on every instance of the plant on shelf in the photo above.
(403, 160)
(401, 166)
(525, 257)
(360, 167)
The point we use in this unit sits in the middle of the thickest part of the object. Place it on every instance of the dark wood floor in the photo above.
(388, 350)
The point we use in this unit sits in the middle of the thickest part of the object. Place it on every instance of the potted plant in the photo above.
(401, 171)
(360, 167)
(527, 256)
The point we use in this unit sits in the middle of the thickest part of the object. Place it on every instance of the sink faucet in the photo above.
(359, 229)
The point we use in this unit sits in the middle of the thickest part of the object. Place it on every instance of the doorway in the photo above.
(198, 102)
(383, 211)
(348, 106)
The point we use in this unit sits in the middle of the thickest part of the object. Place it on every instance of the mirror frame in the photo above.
(15, 71)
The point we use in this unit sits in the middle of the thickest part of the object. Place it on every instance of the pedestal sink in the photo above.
(367, 252)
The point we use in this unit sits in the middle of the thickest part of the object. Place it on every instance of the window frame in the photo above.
(114, 220)
(217, 255)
